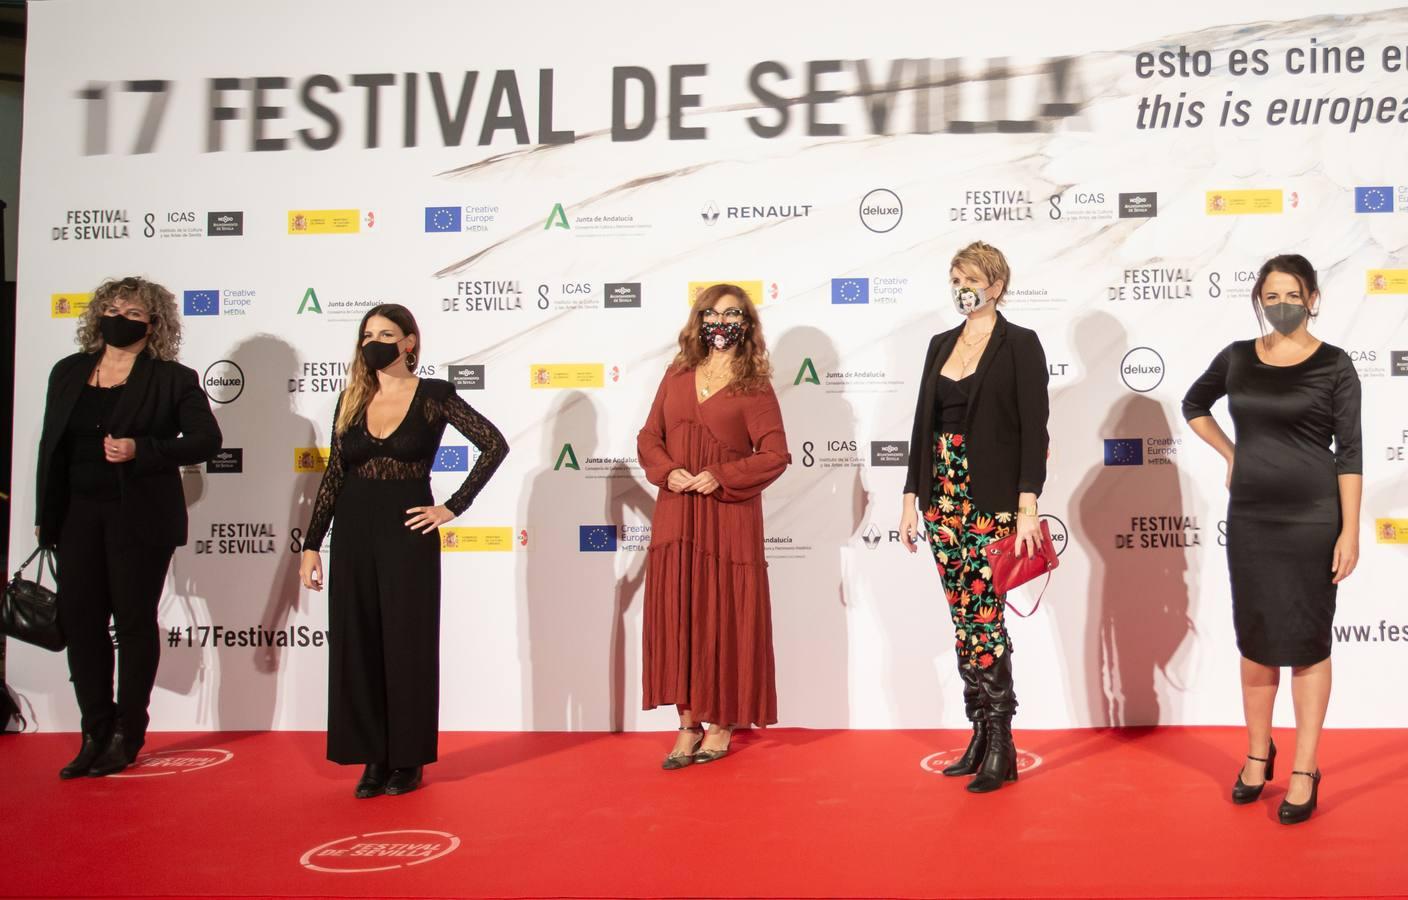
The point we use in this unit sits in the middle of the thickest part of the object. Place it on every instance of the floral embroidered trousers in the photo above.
(958, 531)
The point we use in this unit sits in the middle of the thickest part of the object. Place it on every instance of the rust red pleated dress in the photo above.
(707, 641)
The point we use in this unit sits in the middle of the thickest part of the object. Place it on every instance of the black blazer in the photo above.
(1006, 421)
(165, 411)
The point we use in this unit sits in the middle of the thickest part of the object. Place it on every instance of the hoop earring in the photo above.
(411, 361)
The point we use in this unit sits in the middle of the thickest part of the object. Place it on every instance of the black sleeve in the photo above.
(198, 437)
(55, 375)
(481, 432)
(1348, 451)
(917, 441)
(1210, 387)
(328, 490)
(1033, 410)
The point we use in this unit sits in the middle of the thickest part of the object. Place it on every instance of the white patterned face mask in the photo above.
(969, 300)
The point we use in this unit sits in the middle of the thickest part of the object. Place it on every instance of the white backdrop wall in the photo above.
(213, 140)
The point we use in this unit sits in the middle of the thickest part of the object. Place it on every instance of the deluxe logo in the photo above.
(850, 291)
(889, 453)
(484, 296)
(567, 458)
(1124, 451)
(567, 375)
(1391, 531)
(1387, 281)
(1245, 203)
(596, 538)
(1139, 206)
(476, 539)
(223, 381)
(754, 289)
(1142, 369)
(1060, 537)
(68, 306)
(224, 224)
(327, 221)
(380, 851)
(621, 295)
(452, 458)
(935, 763)
(881, 210)
(175, 762)
(311, 459)
(201, 303)
(93, 225)
(1373, 199)
(467, 378)
(993, 206)
(229, 460)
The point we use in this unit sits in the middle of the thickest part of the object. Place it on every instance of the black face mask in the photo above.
(1285, 317)
(120, 331)
(379, 354)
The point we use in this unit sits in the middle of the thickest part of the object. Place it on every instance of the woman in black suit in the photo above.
(120, 419)
(977, 463)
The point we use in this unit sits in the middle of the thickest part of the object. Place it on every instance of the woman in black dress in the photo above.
(384, 584)
(977, 463)
(1293, 515)
(121, 418)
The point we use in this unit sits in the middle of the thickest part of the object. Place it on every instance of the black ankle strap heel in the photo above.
(1295, 813)
(1247, 793)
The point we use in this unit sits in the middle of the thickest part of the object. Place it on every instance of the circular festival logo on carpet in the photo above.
(175, 762)
(380, 851)
(935, 763)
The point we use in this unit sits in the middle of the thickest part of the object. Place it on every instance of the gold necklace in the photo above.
(964, 358)
(709, 382)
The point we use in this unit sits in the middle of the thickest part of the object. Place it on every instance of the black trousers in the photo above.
(384, 618)
(107, 572)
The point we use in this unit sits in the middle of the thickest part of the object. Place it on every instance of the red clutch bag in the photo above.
(1010, 570)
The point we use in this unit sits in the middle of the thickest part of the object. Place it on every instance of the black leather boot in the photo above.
(116, 756)
(403, 781)
(968, 763)
(92, 746)
(1000, 761)
(373, 781)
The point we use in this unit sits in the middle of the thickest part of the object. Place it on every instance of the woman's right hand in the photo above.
(678, 479)
(310, 570)
(909, 525)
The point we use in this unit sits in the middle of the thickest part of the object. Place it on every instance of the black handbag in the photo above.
(29, 610)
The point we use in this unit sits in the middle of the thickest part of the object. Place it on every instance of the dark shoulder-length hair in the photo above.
(752, 369)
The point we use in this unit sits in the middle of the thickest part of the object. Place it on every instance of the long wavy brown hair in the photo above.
(164, 341)
(362, 382)
(751, 367)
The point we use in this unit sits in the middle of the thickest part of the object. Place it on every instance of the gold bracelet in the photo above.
(1026, 511)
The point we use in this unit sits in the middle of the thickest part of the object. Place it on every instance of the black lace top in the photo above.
(408, 452)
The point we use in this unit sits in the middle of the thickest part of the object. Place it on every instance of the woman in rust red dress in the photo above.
(713, 442)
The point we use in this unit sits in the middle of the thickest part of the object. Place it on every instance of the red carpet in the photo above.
(1132, 813)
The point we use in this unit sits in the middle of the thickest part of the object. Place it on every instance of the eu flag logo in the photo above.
(1373, 199)
(848, 291)
(596, 538)
(451, 458)
(1124, 451)
(442, 218)
(202, 303)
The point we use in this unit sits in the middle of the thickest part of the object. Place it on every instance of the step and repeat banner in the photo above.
(546, 186)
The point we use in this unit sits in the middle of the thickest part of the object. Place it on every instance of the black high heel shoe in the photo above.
(1295, 813)
(1247, 793)
(678, 760)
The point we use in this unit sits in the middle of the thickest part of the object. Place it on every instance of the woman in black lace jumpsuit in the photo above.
(384, 584)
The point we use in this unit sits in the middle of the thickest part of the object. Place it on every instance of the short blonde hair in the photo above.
(988, 260)
(164, 342)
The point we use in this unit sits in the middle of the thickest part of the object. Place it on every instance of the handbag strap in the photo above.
(46, 556)
(1035, 606)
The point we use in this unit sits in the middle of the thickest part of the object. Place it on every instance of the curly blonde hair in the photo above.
(751, 366)
(164, 342)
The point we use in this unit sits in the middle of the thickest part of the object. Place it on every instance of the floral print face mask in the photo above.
(721, 335)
